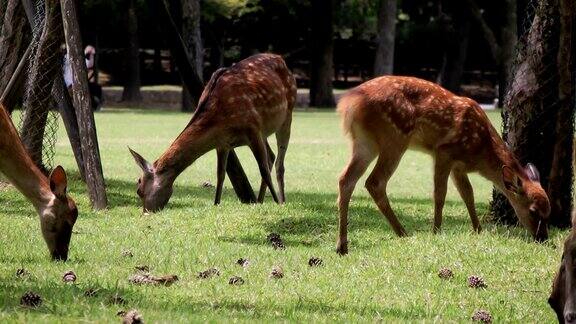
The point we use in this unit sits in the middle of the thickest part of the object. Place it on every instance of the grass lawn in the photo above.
(383, 278)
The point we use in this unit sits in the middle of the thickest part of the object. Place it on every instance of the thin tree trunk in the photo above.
(509, 43)
(458, 34)
(530, 110)
(193, 41)
(132, 83)
(11, 40)
(562, 173)
(384, 59)
(83, 104)
(322, 48)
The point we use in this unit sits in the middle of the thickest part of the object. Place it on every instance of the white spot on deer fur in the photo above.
(231, 100)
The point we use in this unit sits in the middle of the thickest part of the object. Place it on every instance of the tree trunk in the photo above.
(322, 47)
(509, 43)
(45, 67)
(83, 104)
(11, 40)
(530, 112)
(384, 59)
(562, 174)
(132, 83)
(193, 42)
(457, 36)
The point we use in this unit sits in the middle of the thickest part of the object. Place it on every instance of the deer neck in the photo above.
(191, 144)
(17, 166)
(498, 155)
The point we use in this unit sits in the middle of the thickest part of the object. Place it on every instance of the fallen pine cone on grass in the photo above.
(277, 272)
(476, 282)
(236, 281)
(69, 276)
(482, 316)
(30, 299)
(131, 317)
(208, 273)
(445, 273)
(140, 279)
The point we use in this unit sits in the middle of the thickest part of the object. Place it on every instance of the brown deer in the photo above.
(388, 115)
(240, 105)
(563, 296)
(57, 210)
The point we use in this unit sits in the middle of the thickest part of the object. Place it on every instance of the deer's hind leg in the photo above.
(390, 154)
(221, 173)
(263, 186)
(362, 155)
(258, 147)
(282, 139)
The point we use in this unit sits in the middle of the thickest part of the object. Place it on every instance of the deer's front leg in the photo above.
(221, 173)
(442, 166)
(464, 187)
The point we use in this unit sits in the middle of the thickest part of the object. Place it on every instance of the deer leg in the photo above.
(464, 187)
(361, 158)
(442, 166)
(263, 187)
(282, 139)
(221, 173)
(258, 147)
(377, 183)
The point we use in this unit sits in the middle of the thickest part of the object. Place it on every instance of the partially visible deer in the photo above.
(388, 115)
(563, 296)
(56, 209)
(240, 105)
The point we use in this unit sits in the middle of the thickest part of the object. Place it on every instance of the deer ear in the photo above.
(142, 163)
(532, 172)
(58, 182)
(511, 180)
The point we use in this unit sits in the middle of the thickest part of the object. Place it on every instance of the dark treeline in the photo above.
(326, 42)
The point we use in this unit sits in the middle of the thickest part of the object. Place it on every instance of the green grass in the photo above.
(383, 278)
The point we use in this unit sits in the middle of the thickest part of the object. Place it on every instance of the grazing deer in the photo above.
(563, 296)
(388, 115)
(240, 105)
(57, 210)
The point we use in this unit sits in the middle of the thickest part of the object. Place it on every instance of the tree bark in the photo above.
(530, 112)
(193, 41)
(83, 104)
(560, 186)
(11, 40)
(322, 48)
(132, 82)
(385, 40)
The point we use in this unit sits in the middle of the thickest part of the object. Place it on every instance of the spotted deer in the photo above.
(563, 296)
(388, 115)
(240, 105)
(56, 209)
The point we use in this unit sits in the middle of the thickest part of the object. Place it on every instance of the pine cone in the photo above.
(127, 254)
(30, 299)
(315, 262)
(236, 281)
(244, 263)
(208, 273)
(276, 241)
(21, 273)
(277, 272)
(69, 276)
(132, 317)
(445, 273)
(482, 316)
(476, 282)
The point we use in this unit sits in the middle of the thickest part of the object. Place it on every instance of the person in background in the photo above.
(94, 88)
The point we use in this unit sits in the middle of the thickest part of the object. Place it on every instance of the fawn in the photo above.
(240, 105)
(388, 115)
(56, 209)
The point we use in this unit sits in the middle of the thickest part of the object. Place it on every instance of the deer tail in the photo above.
(347, 107)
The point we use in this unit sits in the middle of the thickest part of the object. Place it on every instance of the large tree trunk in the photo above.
(132, 82)
(384, 59)
(531, 105)
(11, 40)
(193, 41)
(322, 47)
(562, 173)
(456, 44)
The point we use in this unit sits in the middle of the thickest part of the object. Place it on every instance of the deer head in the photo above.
(57, 218)
(528, 199)
(153, 189)
(563, 296)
